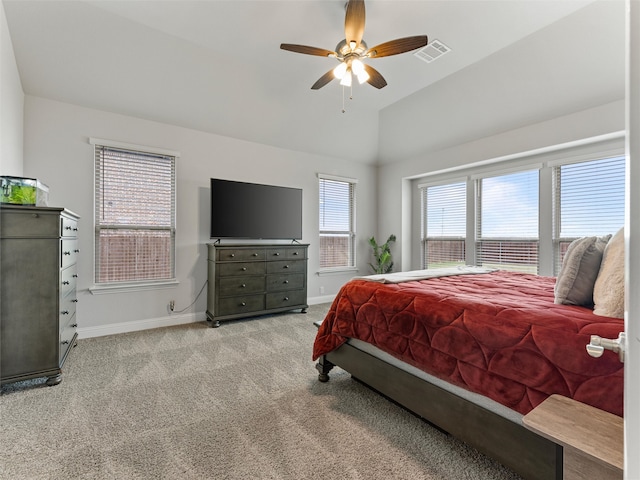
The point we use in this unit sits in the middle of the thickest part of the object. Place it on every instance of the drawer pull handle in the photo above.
(295, 253)
(255, 254)
(75, 325)
(66, 253)
(66, 282)
(286, 299)
(286, 266)
(75, 275)
(67, 228)
(65, 342)
(75, 300)
(244, 269)
(244, 285)
(232, 255)
(65, 312)
(76, 251)
(286, 281)
(243, 304)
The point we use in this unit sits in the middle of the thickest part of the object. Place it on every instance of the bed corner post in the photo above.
(324, 366)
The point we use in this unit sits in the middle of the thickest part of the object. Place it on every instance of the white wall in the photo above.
(57, 151)
(11, 105)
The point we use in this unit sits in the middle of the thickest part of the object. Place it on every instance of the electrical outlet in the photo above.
(172, 305)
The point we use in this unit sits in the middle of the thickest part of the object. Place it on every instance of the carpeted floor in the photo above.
(238, 402)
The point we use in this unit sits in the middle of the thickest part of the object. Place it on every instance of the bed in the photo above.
(472, 351)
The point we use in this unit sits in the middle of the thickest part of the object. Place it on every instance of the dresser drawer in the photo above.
(241, 285)
(276, 283)
(68, 278)
(286, 266)
(240, 269)
(239, 254)
(29, 224)
(286, 252)
(67, 309)
(286, 299)
(239, 305)
(68, 252)
(68, 227)
(66, 340)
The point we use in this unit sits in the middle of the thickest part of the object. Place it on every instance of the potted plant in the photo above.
(382, 255)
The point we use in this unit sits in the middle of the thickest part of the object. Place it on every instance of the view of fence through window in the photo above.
(588, 199)
(507, 221)
(337, 204)
(135, 211)
(445, 224)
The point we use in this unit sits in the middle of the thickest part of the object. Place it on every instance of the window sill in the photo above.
(336, 271)
(131, 287)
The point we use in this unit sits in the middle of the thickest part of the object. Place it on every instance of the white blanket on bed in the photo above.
(411, 276)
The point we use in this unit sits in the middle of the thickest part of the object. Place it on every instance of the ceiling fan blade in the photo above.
(354, 22)
(321, 52)
(323, 80)
(395, 47)
(375, 79)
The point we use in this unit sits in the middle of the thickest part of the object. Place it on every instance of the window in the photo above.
(134, 215)
(444, 224)
(337, 222)
(507, 221)
(588, 200)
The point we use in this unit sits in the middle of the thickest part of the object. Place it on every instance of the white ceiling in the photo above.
(216, 65)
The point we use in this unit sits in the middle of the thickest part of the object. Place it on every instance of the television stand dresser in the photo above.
(246, 280)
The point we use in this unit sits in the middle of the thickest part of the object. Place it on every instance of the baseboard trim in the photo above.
(137, 325)
(319, 300)
(167, 321)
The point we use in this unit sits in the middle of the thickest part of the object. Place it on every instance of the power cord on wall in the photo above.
(194, 301)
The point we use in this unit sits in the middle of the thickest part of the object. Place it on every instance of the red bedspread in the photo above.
(498, 334)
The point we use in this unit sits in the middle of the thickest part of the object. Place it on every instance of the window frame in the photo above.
(424, 192)
(534, 171)
(593, 148)
(351, 233)
(142, 284)
(561, 243)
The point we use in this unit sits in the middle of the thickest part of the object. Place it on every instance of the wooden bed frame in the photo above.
(510, 443)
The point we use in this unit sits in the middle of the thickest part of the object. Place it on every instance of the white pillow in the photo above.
(608, 291)
(580, 267)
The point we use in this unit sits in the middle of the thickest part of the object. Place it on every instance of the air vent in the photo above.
(432, 51)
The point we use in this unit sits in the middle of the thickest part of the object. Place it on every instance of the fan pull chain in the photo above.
(344, 110)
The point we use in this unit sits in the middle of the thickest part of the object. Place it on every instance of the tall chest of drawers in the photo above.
(251, 280)
(38, 253)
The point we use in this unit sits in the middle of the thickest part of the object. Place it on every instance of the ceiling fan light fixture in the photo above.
(362, 77)
(346, 79)
(359, 71)
(340, 70)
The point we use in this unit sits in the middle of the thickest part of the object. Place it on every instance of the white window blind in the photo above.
(337, 223)
(444, 224)
(588, 200)
(507, 221)
(134, 215)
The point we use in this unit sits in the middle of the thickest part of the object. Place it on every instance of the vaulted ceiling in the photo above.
(216, 66)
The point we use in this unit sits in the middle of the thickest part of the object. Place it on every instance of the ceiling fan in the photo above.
(352, 50)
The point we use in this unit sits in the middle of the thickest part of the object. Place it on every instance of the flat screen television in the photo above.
(254, 211)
